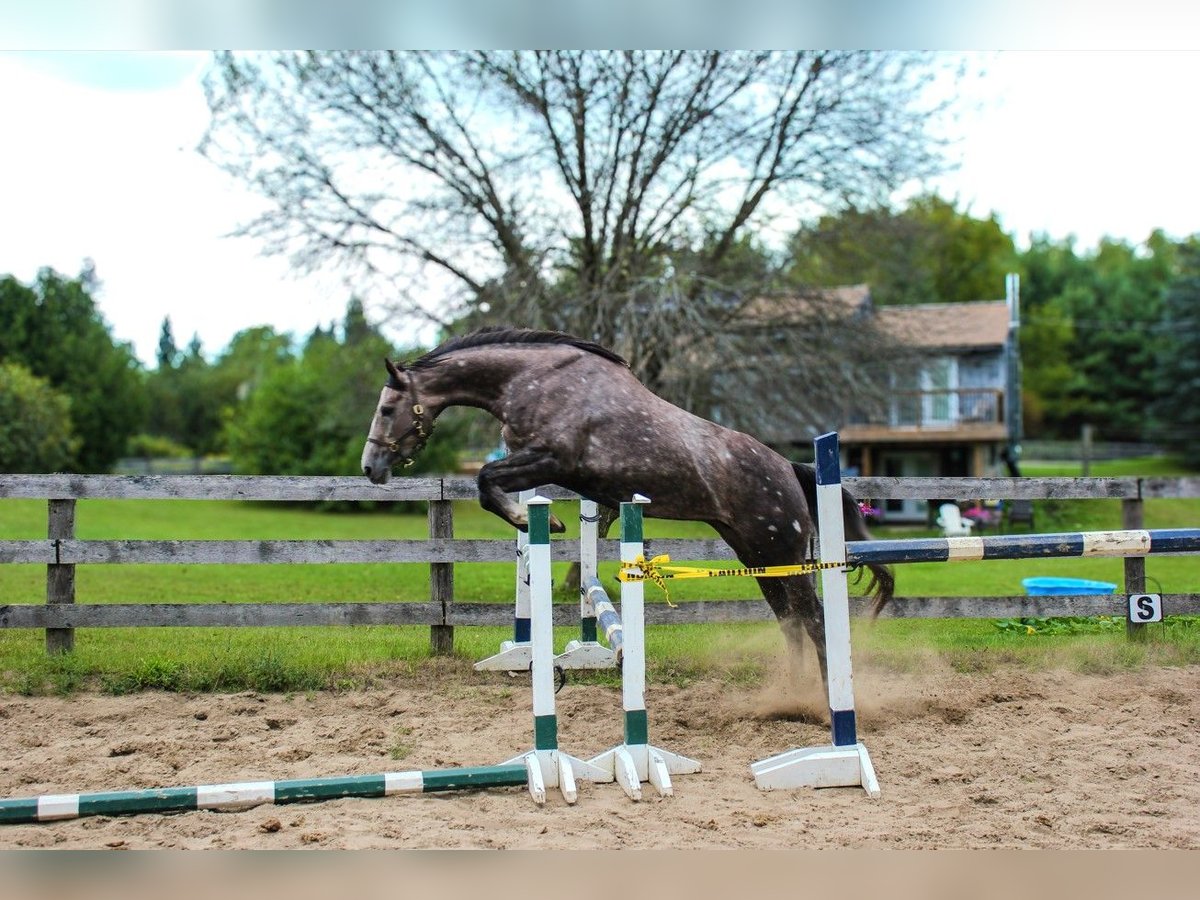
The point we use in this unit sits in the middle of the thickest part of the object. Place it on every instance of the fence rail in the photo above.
(61, 551)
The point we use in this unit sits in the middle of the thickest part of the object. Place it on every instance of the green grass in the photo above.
(1139, 466)
(121, 660)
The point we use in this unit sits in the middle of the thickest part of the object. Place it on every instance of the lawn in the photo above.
(307, 658)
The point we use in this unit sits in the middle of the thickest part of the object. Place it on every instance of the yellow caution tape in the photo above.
(656, 569)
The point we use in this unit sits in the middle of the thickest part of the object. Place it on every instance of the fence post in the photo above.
(60, 578)
(1133, 518)
(441, 578)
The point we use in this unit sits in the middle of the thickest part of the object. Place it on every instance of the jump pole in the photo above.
(546, 765)
(637, 760)
(845, 761)
(243, 795)
(1143, 542)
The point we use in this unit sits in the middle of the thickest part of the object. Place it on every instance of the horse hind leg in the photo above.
(797, 607)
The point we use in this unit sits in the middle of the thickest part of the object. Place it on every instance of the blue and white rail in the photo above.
(1024, 546)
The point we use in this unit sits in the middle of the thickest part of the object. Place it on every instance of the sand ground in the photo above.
(1000, 760)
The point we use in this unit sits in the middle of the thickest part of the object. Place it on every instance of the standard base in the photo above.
(513, 657)
(553, 768)
(517, 656)
(817, 767)
(585, 655)
(631, 764)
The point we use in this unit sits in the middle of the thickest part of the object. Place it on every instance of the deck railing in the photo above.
(940, 409)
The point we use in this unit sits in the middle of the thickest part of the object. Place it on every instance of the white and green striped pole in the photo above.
(845, 762)
(587, 652)
(547, 766)
(243, 795)
(637, 760)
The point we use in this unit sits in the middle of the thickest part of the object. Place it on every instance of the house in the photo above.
(957, 411)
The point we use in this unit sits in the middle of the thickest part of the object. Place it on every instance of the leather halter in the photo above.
(392, 445)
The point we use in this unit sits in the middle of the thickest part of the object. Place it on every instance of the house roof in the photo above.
(979, 324)
(791, 308)
(976, 325)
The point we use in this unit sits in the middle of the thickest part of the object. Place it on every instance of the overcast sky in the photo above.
(99, 162)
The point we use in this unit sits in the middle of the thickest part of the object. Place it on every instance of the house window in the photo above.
(939, 381)
(927, 396)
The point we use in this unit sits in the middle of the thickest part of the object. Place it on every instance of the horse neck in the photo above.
(477, 378)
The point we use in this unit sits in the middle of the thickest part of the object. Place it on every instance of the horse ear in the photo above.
(393, 372)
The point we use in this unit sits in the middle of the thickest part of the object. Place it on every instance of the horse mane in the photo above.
(500, 334)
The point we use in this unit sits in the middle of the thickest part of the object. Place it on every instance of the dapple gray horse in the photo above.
(574, 415)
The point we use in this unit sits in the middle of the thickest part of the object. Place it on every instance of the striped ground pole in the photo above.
(546, 765)
(845, 761)
(588, 652)
(637, 760)
(1026, 546)
(243, 795)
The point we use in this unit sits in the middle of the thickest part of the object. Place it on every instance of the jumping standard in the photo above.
(574, 415)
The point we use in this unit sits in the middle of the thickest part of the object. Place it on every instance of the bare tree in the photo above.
(621, 196)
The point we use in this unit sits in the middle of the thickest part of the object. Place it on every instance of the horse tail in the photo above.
(882, 585)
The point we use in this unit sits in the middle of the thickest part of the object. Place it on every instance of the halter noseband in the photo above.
(392, 445)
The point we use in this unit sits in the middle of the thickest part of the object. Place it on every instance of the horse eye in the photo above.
(386, 410)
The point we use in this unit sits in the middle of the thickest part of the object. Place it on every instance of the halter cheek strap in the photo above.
(392, 445)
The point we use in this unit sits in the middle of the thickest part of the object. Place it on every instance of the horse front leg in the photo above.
(521, 470)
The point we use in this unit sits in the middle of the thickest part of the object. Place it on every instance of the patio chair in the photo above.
(950, 520)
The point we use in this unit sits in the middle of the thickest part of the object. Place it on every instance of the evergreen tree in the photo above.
(168, 353)
(1177, 420)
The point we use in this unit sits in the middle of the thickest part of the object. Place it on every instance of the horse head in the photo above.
(399, 428)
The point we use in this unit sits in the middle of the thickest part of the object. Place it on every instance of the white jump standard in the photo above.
(845, 762)
(585, 653)
(516, 655)
(546, 765)
(636, 760)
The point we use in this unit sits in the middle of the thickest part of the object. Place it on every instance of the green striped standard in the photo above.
(50, 807)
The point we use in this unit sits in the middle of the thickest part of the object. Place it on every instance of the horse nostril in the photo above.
(367, 471)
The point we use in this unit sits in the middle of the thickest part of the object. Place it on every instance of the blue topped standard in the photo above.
(828, 459)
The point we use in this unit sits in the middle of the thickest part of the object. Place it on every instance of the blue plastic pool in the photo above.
(1054, 587)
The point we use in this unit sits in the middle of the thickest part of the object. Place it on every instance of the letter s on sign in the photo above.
(1145, 608)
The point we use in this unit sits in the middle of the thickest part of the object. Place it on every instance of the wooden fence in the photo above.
(60, 552)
